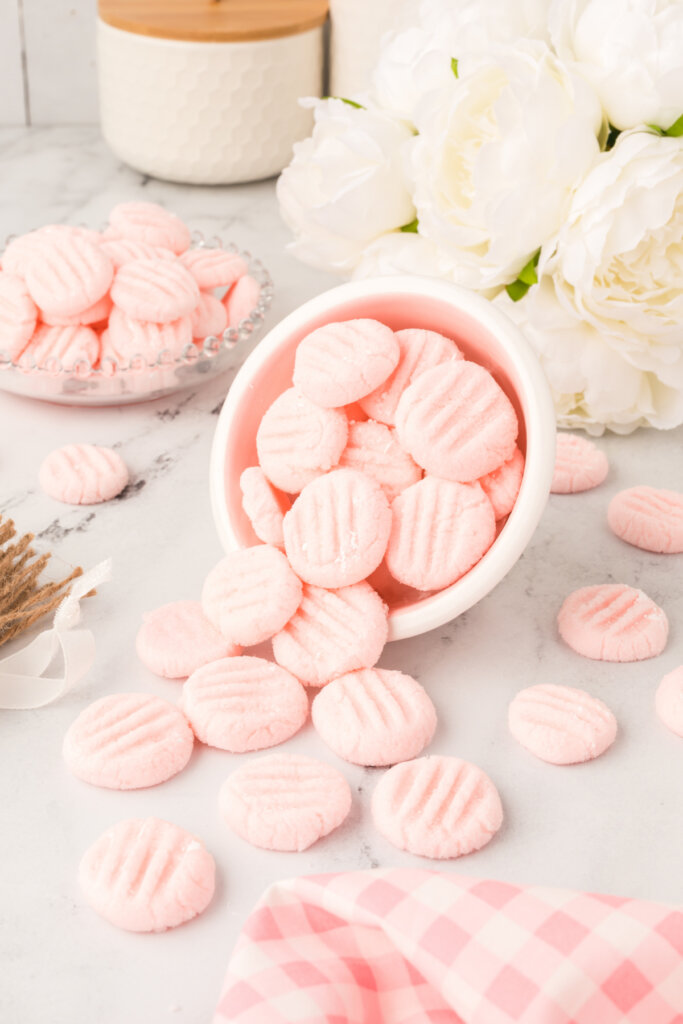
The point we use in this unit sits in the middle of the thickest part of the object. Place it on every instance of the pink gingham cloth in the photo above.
(417, 947)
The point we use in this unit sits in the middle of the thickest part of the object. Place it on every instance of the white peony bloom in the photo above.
(630, 50)
(500, 151)
(404, 253)
(607, 317)
(416, 60)
(345, 185)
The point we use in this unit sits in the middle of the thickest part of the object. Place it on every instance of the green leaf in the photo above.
(410, 228)
(351, 103)
(676, 129)
(527, 274)
(517, 290)
(454, 66)
(655, 128)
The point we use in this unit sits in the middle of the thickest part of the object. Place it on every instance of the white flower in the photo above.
(499, 153)
(416, 60)
(607, 317)
(404, 253)
(345, 185)
(630, 50)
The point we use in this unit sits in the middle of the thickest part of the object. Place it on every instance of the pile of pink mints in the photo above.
(77, 300)
(393, 467)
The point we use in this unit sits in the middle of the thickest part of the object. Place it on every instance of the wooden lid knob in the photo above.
(214, 21)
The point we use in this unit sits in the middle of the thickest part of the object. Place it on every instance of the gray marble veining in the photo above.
(612, 825)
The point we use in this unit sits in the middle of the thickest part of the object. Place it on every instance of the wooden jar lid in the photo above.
(214, 21)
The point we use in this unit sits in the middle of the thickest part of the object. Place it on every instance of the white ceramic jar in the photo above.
(207, 93)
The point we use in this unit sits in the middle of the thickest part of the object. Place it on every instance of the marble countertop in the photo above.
(613, 825)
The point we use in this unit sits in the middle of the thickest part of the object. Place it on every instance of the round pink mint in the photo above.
(242, 299)
(129, 338)
(83, 474)
(151, 224)
(439, 530)
(251, 594)
(177, 638)
(560, 724)
(208, 317)
(243, 704)
(669, 700)
(66, 345)
(125, 250)
(579, 465)
(372, 448)
(263, 505)
(213, 268)
(67, 275)
(374, 717)
(613, 622)
(502, 486)
(332, 632)
(95, 314)
(147, 875)
(438, 807)
(420, 350)
(648, 518)
(457, 422)
(284, 801)
(156, 290)
(337, 530)
(342, 362)
(128, 741)
(18, 315)
(297, 441)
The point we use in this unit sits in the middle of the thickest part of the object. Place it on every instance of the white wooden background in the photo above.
(47, 61)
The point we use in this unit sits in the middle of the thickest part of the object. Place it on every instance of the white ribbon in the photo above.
(22, 683)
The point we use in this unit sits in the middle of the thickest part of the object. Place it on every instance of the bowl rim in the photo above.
(540, 422)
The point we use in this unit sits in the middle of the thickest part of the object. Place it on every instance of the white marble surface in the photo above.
(612, 825)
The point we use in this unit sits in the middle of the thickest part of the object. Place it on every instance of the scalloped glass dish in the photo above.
(140, 381)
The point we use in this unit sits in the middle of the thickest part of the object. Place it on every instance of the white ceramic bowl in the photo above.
(485, 335)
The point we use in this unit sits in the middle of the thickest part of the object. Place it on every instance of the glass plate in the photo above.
(140, 381)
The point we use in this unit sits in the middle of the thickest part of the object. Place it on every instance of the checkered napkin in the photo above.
(416, 947)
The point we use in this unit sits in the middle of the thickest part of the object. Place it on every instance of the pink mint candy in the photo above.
(128, 741)
(241, 300)
(648, 518)
(341, 362)
(439, 530)
(124, 250)
(438, 807)
(613, 622)
(374, 717)
(419, 351)
(177, 638)
(284, 801)
(156, 290)
(297, 441)
(560, 724)
(372, 449)
(67, 275)
(332, 632)
(151, 224)
(68, 345)
(128, 338)
(95, 314)
(242, 704)
(213, 268)
(669, 701)
(579, 465)
(502, 486)
(18, 315)
(208, 317)
(264, 506)
(337, 530)
(147, 875)
(83, 474)
(251, 594)
(457, 422)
